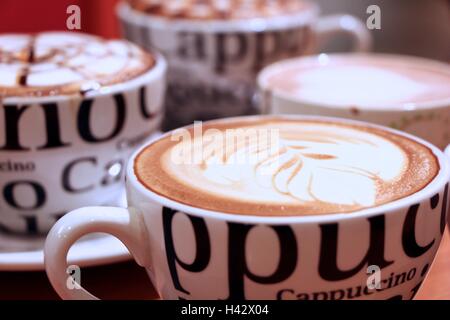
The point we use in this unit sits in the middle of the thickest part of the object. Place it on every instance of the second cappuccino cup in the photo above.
(402, 92)
(62, 145)
(213, 61)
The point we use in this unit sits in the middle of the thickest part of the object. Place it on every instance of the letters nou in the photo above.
(289, 259)
(65, 134)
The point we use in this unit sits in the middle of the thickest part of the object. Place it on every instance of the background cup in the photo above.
(430, 121)
(190, 253)
(213, 64)
(58, 153)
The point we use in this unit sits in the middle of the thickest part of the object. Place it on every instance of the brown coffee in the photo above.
(218, 9)
(278, 166)
(60, 63)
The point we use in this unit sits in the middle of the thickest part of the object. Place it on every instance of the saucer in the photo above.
(24, 253)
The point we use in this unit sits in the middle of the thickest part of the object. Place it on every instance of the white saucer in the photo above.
(20, 253)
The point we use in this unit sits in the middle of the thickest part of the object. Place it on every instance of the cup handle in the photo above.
(329, 26)
(125, 224)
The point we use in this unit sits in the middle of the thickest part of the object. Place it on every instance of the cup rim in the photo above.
(125, 12)
(435, 186)
(429, 64)
(156, 72)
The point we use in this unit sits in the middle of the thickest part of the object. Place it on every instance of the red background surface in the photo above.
(97, 16)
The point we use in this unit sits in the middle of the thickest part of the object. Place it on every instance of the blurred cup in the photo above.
(213, 62)
(79, 107)
(403, 92)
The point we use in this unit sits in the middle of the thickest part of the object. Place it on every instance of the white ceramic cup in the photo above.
(430, 121)
(191, 253)
(58, 153)
(213, 64)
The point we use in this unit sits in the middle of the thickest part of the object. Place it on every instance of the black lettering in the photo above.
(12, 117)
(302, 296)
(397, 297)
(237, 264)
(338, 294)
(52, 127)
(280, 294)
(410, 246)
(328, 266)
(319, 296)
(143, 104)
(415, 290)
(31, 225)
(367, 291)
(263, 54)
(202, 244)
(223, 56)
(444, 209)
(192, 46)
(353, 295)
(411, 274)
(8, 193)
(390, 281)
(400, 279)
(84, 115)
(66, 180)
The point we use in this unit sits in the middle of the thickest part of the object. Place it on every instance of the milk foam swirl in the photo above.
(217, 9)
(55, 63)
(314, 168)
(361, 81)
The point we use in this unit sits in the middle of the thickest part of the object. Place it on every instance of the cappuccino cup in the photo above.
(406, 93)
(215, 49)
(72, 109)
(274, 207)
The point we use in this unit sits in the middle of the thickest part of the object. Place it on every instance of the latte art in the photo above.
(218, 9)
(55, 63)
(314, 168)
(311, 163)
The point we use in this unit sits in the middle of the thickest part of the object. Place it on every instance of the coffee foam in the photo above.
(217, 9)
(317, 167)
(361, 82)
(55, 63)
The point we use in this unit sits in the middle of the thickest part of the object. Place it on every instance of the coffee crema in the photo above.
(311, 167)
(64, 63)
(218, 9)
(375, 81)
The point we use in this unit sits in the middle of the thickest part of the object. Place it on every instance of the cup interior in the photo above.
(324, 60)
(155, 73)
